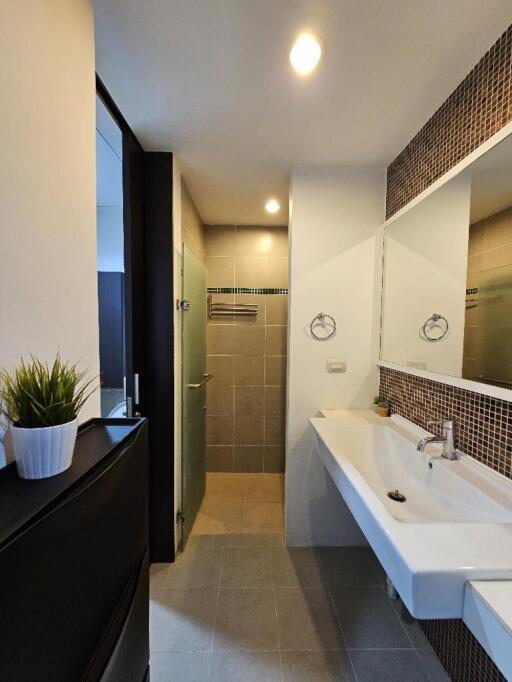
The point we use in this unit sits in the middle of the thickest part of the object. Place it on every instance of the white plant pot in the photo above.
(44, 452)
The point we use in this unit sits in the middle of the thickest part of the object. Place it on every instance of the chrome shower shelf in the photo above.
(229, 309)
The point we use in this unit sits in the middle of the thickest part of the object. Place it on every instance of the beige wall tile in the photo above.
(257, 299)
(249, 340)
(223, 369)
(219, 458)
(470, 342)
(249, 370)
(221, 339)
(248, 430)
(275, 371)
(219, 430)
(252, 241)
(279, 248)
(275, 397)
(249, 400)
(274, 458)
(498, 230)
(220, 240)
(221, 271)
(476, 243)
(249, 458)
(497, 258)
(274, 430)
(219, 399)
(275, 340)
(277, 272)
(276, 309)
(474, 268)
(250, 271)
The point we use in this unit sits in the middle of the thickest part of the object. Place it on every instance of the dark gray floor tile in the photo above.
(245, 666)
(377, 566)
(368, 620)
(246, 567)
(188, 667)
(182, 620)
(196, 567)
(252, 540)
(347, 566)
(246, 620)
(307, 620)
(316, 666)
(410, 625)
(388, 666)
(296, 567)
(432, 665)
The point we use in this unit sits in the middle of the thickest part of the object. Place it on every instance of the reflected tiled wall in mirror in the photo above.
(247, 353)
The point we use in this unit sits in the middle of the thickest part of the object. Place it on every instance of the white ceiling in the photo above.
(210, 81)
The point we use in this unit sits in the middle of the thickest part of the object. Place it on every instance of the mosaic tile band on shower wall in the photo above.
(477, 109)
(483, 424)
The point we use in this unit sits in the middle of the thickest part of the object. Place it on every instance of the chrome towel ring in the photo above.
(435, 321)
(324, 321)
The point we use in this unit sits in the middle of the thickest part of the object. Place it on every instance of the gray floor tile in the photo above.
(182, 620)
(388, 666)
(307, 620)
(316, 666)
(245, 666)
(296, 567)
(368, 620)
(158, 576)
(246, 620)
(377, 566)
(196, 567)
(205, 542)
(410, 625)
(347, 566)
(188, 667)
(252, 540)
(246, 567)
(432, 665)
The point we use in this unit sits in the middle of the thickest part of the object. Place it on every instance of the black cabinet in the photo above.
(74, 563)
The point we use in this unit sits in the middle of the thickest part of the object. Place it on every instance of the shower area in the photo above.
(242, 372)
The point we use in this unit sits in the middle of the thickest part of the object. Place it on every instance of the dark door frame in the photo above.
(149, 297)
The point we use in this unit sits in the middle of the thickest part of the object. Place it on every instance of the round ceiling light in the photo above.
(305, 53)
(272, 206)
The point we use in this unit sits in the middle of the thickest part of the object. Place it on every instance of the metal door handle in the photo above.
(205, 380)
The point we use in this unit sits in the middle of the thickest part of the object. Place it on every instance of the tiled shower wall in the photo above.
(478, 108)
(247, 355)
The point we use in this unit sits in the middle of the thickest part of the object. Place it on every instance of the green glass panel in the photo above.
(194, 398)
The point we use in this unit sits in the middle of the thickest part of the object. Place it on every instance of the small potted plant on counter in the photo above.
(42, 404)
(382, 406)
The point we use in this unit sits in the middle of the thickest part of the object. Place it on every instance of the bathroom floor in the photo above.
(240, 606)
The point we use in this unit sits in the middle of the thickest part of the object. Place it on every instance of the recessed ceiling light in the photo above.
(272, 206)
(305, 53)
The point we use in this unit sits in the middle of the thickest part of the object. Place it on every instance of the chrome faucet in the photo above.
(447, 439)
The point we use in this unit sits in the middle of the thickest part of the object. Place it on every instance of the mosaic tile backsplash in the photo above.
(477, 109)
(483, 424)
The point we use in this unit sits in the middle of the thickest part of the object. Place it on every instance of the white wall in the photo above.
(334, 267)
(48, 284)
(426, 256)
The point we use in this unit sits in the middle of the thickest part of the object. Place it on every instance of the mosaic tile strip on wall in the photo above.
(477, 109)
(460, 653)
(484, 424)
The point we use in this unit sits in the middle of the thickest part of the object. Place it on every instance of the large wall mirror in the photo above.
(447, 297)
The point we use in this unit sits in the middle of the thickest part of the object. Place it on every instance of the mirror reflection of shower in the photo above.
(110, 261)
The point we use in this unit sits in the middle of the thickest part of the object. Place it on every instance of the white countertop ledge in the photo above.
(488, 614)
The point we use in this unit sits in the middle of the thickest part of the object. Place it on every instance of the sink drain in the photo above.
(396, 496)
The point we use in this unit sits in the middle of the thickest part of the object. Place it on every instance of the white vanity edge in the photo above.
(487, 613)
(466, 384)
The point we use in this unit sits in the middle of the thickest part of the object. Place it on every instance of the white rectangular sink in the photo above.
(454, 525)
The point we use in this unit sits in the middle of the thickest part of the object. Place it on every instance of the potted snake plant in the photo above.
(42, 404)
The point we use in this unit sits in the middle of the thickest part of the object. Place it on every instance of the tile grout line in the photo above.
(338, 620)
(217, 601)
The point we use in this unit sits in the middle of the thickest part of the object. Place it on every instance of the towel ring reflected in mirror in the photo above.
(323, 321)
(435, 321)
